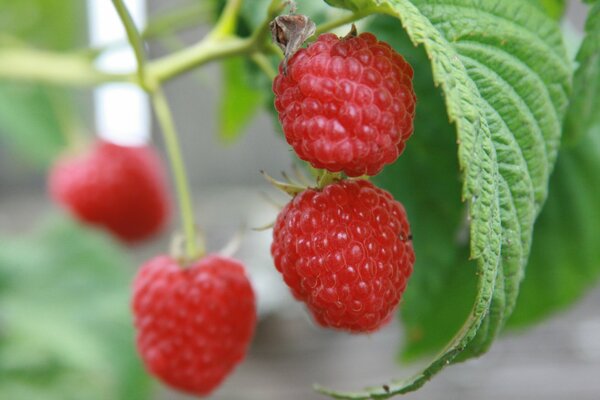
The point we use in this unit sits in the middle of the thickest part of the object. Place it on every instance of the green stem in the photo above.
(205, 51)
(215, 47)
(78, 69)
(135, 39)
(165, 119)
(227, 22)
(24, 64)
(326, 177)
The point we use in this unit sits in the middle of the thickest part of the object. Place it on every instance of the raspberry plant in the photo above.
(496, 74)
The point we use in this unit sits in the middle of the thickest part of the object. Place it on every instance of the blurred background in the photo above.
(64, 288)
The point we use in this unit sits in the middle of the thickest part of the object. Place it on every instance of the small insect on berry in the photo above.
(346, 104)
(344, 251)
(194, 324)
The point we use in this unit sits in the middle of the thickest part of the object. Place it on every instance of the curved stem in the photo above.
(215, 47)
(135, 39)
(165, 119)
(25, 64)
(227, 22)
(325, 178)
(205, 51)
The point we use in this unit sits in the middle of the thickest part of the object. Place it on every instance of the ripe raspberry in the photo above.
(193, 324)
(345, 251)
(346, 104)
(119, 188)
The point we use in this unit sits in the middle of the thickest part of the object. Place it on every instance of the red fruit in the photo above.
(193, 324)
(345, 251)
(119, 188)
(346, 104)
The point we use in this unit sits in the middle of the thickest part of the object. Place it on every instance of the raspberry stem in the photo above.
(227, 22)
(135, 40)
(194, 247)
(78, 69)
(325, 178)
(215, 47)
(165, 119)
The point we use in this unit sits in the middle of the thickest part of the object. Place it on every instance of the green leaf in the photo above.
(66, 331)
(502, 68)
(32, 116)
(583, 115)
(442, 286)
(240, 99)
(565, 257)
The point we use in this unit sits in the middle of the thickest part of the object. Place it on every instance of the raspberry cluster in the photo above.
(345, 249)
(346, 104)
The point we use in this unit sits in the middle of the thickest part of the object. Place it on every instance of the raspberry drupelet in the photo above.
(346, 104)
(346, 252)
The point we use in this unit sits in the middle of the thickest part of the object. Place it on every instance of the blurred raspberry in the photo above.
(119, 188)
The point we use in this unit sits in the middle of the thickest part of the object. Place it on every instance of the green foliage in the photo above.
(584, 114)
(443, 284)
(565, 257)
(66, 332)
(504, 73)
(29, 122)
(239, 101)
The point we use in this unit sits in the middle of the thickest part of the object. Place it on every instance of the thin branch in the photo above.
(26, 64)
(135, 39)
(165, 119)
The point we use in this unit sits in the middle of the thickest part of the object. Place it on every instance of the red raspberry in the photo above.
(345, 251)
(193, 324)
(346, 104)
(119, 188)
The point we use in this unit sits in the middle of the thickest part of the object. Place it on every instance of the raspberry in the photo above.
(346, 104)
(345, 251)
(193, 324)
(119, 188)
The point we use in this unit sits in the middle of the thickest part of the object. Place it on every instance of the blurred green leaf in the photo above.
(584, 111)
(64, 312)
(240, 99)
(28, 122)
(565, 257)
(28, 113)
